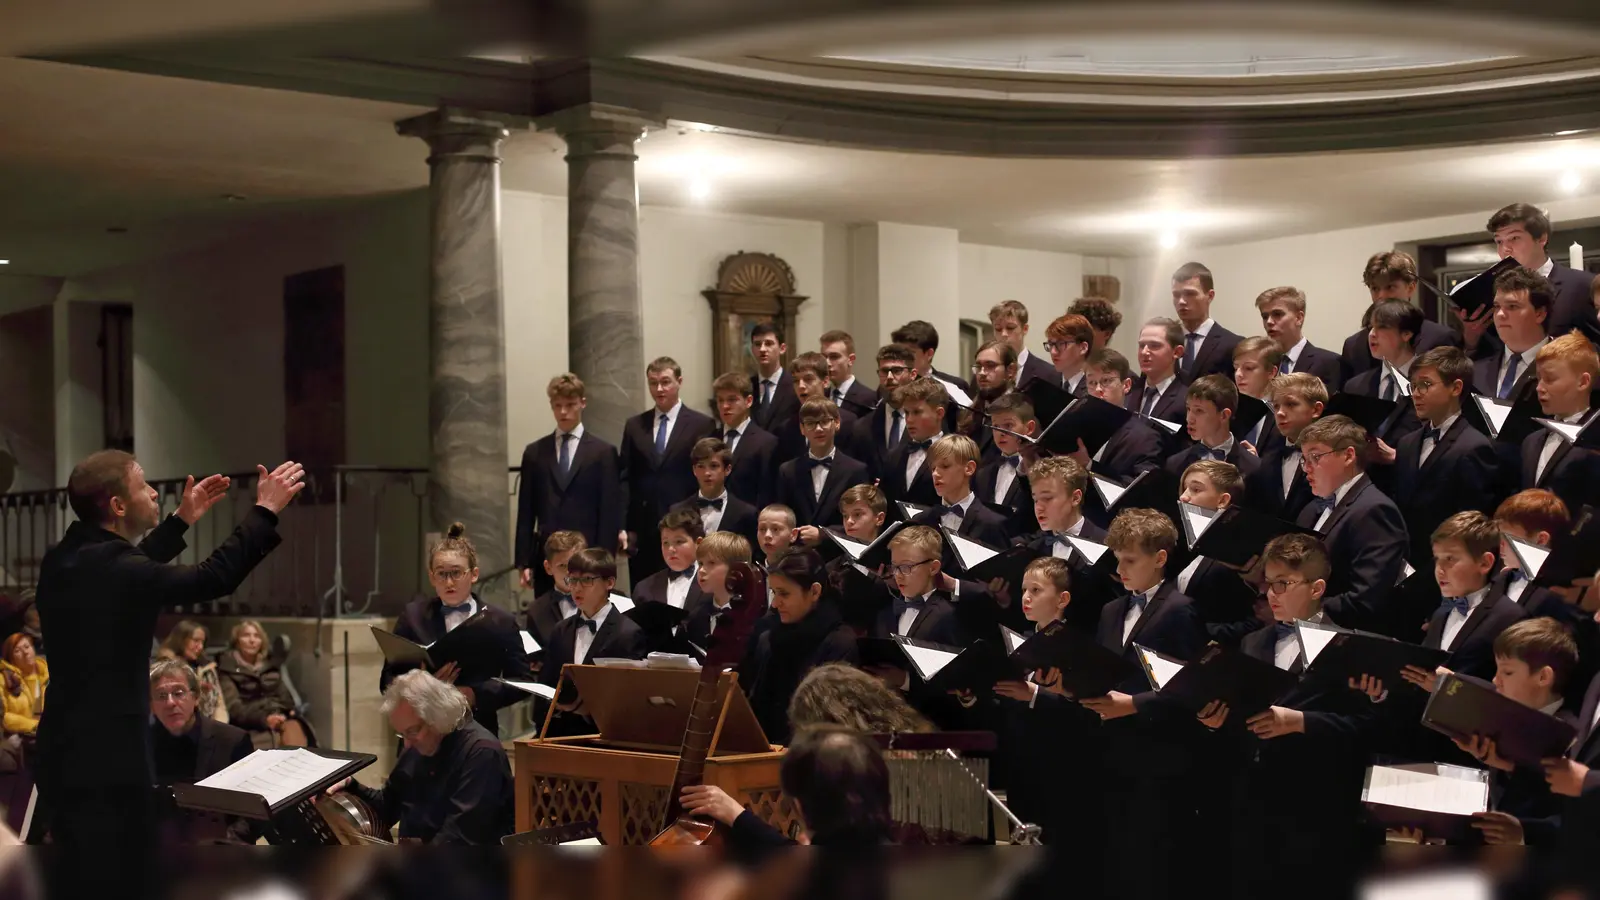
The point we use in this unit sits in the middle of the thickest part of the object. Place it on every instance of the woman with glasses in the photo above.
(809, 631)
(453, 570)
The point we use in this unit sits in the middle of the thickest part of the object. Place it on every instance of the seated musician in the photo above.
(452, 783)
(839, 782)
(187, 747)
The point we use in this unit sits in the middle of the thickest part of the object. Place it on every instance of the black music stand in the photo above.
(294, 819)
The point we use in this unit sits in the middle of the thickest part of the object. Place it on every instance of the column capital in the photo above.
(454, 132)
(598, 129)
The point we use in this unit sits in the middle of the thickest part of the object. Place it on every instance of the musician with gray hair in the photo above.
(452, 783)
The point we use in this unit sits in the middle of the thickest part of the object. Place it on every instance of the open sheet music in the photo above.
(275, 775)
(1428, 787)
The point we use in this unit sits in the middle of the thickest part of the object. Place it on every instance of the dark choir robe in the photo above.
(1171, 405)
(545, 612)
(738, 516)
(461, 795)
(1246, 462)
(205, 749)
(1136, 447)
(1213, 357)
(1357, 354)
(1462, 472)
(1579, 840)
(1297, 798)
(655, 483)
(755, 463)
(796, 491)
(422, 622)
(1321, 363)
(618, 637)
(871, 438)
(1538, 602)
(1017, 504)
(780, 417)
(1395, 427)
(1036, 366)
(781, 654)
(892, 480)
(1573, 474)
(1367, 543)
(1264, 491)
(860, 399)
(586, 498)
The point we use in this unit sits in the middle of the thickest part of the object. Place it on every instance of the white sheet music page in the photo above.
(848, 544)
(1195, 521)
(1091, 550)
(927, 660)
(1432, 787)
(1161, 670)
(1109, 490)
(623, 604)
(971, 552)
(1312, 641)
(1530, 557)
(1011, 638)
(1496, 413)
(276, 775)
(533, 687)
(529, 645)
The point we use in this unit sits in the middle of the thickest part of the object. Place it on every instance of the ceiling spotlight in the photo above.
(699, 190)
(1169, 240)
(1570, 183)
(1569, 131)
(5, 262)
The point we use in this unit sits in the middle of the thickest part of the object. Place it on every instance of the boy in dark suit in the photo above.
(812, 483)
(1070, 340)
(1222, 599)
(1522, 230)
(810, 375)
(1057, 484)
(1283, 317)
(1003, 483)
(1537, 517)
(1279, 486)
(775, 530)
(839, 349)
(755, 450)
(1448, 465)
(556, 605)
(714, 554)
(924, 612)
(906, 476)
(681, 530)
(1392, 338)
(953, 460)
(777, 408)
(1137, 446)
(1568, 368)
(922, 339)
(860, 593)
(718, 508)
(569, 481)
(655, 462)
(1521, 311)
(1255, 363)
(1208, 416)
(1469, 616)
(1010, 321)
(1207, 346)
(882, 431)
(598, 631)
(1364, 531)
(1389, 275)
(1158, 392)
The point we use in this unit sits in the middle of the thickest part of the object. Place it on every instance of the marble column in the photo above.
(605, 329)
(466, 333)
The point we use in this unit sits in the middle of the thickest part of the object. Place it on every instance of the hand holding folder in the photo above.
(1246, 685)
(1464, 708)
(1081, 667)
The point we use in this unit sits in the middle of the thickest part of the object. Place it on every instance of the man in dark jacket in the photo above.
(99, 594)
(186, 748)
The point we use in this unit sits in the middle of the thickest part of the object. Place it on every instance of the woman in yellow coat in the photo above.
(26, 676)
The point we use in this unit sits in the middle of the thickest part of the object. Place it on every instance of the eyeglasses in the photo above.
(1423, 385)
(412, 733)
(986, 367)
(583, 580)
(1309, 461)
(448, 575)
(892, 371)
(816, 423)
(1283, 586)
(908, 568)
(1053, 346)
(178, 695)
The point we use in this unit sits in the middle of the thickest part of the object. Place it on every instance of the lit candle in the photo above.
(1575, 256)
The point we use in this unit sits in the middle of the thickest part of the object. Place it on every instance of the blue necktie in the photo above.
(1387, 391)
(1459, 604)
(710, 504)
(732, 440)
(1255, 433)
(1508, 382)
(896, 428)
(661, 434)
(1285, 366)
(564, 460)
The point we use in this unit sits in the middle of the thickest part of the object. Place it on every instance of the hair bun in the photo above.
(456, 530)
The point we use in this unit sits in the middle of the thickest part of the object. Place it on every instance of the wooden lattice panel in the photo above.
(644, 811)
(563, 801)
(774, 808)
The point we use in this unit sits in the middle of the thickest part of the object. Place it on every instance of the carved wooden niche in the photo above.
(751, 288)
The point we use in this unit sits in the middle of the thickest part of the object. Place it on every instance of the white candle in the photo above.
(1575, 256)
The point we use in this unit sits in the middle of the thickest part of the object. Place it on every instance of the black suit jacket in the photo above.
(587, 499)
(1402, 421)
(1171, 406)
(1538, 602)
(1215, 356)
(1135, 448)
(655, 484)
(937, 622)
(1472, 652)
(1573, 474)
(422, 621)
(1246, 462)
(1580, 816)
(859, 400)
(1321, 363)
(1222, 600)
(1036, 366)
(218, 745)
(1357, 356)
(755, 463)
(654, 590)
(1168, 625)
(980, 524)
(1462, 472)
(1486, 379)
(543, 615)
(892, 479)
(1264, 490)
(782, 415)
(1573, 306)
(619, 637)
(738, 516)
(1016, 505)
(795, 491)
(98, 599)
(871, 441)
(1367, 543)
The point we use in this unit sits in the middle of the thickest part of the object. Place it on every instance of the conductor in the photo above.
(98, 597)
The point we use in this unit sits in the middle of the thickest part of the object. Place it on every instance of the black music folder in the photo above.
(1500, 420)
(863, 595)
(1368, 412)
(1476, 293)
(1341, 654)
(1246, 414)
(1437, 798)
(974, 668)
(1048, 399)
(1568, 559)
(472, 639)
(1155, 489)
(1248, 685)
(871, 555)
(880, 652)
(1087, 669)
(980, 562)
(1233, 535)
(657, 619)
(1087, 419)
(1462, 706)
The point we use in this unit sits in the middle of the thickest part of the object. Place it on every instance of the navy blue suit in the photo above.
(1135, 448)
(1462, 472)
(1321, 363)
(1017, 502)
(1357, 356)
(781, 416)
(1367, 542)
(1171, 405)
(1214, 356)
(655, 483)
(892, 478)
(1573, 474)
(1263, 491)
(755, 463)
(795, 490)
(587, 498)
(1246, 462)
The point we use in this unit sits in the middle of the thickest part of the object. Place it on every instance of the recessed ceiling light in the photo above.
(699, 190)
(1570, 182)
(5, 262)
(1169, 240)
(1569, 131)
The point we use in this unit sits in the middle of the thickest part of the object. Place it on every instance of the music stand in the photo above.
(648, 709)
(305, 826)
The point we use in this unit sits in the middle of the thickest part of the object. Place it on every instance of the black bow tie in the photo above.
(1216, 453)
(900, 607)
(1515, 575)
(710, 504)
(586, 622)
(814, 463)
(1320, 503)
(717, 611)
(953, 510)
(1012, 461)
(686, 573)
(919, 445)
(1459, 604)
(1429, 433)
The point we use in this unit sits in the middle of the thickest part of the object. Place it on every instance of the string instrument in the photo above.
(747, 587)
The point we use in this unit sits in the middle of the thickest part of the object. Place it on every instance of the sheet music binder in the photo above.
(1462, 706)
(1477, 292)
(1350, 654)
(1425, 796)
(1248, 685)
(469, 640)
(254, 806)
(977, 667)
(1087, 669)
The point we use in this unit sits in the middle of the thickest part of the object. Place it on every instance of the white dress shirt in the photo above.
(1136, 612)
(455, 615)
(843, 389)
(1161, 391)
(1403, 371)
(678, 588)
(1003, 479)
(1457, 619)
(577, 437)
(773, 379)
(1187, 574)
(730, 438)
(1338, 497)
(1064, 550)
(567, 605)
(1529, 357)
(1291, 465)
(1516, 587)
(1293, 355)
(1548, 267)
(711, 516)
(714, 607)
(915, 458)
(585, 640)
(1552, 442)
(1203, 330)
(1428, 443)
(1071, 383)
(1226, 447)
(953, 521)
(1286, 652)
(819, 474)
(909, 617)
(671, 416)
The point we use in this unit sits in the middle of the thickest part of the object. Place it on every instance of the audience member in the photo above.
(256, 693)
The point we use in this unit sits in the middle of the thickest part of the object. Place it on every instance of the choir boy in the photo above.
(1389, 275)
(864, 510)
(1536, 517)
(1255, 363)
(676, 585)
(1102, 316)
(1392, 338)
(1469, 617)
(777, 409)
(1297, 792)
(810, 374)
(1522, 231)
(1448, 465)
(1279, 486)
(812, 483)
(1010, 321)
(554, 606)
(839, 349)
(953, 460)
(882, 431)
(906, 475)
(1136, 447)
(1057, 484)
(1157, 392)
(1363, 529)
(713, 555)
(1222, 599)
(1208, 415)
(1522, 300)
(923, 611)
(1283, 317)
(1207, 346)
(1003, 482)
(1069, 340)
(718, 508)
(598, 631)
(570, 481)
(775, 529)
(922, 339)
(755, 450)
(655, 462)
(1568, 368)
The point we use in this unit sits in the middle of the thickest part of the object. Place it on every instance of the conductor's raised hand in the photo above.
(201, 496)
(275, 489)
